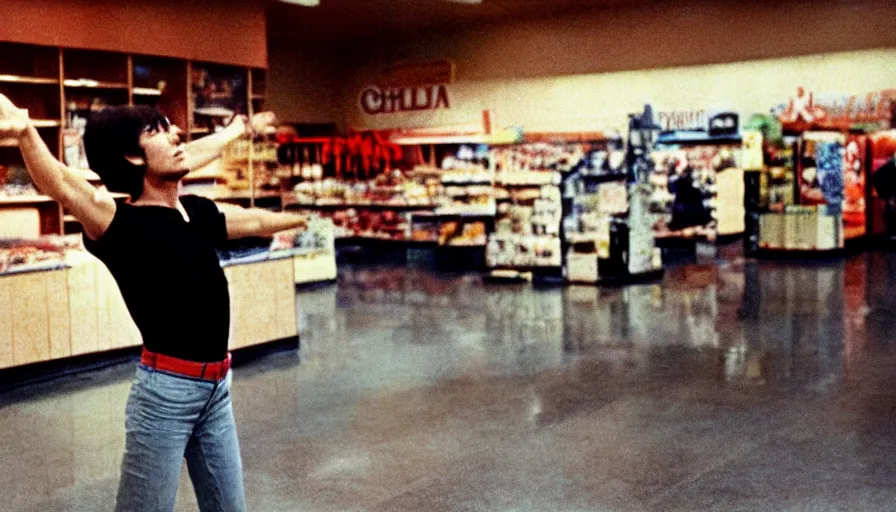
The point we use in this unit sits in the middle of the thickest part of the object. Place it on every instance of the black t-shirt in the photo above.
(169, 275)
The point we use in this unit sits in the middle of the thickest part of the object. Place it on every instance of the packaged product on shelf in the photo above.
(527, 178)
(473, 175)
(525, 251)
(318, 237)
(44, 253)
(463, 234)
(10, 190)
(546, 217)
(613, 198)
(499, 250)
(602, 236)
(642, 251)
(73, 144)
(548, 252)
(581, 267)
(425, 227)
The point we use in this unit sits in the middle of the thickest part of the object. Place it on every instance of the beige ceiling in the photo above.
(335, 21)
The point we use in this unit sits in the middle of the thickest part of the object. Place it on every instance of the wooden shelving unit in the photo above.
(57, 85)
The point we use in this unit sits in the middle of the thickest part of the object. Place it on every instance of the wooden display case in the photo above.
(56, 314)
(262, 302)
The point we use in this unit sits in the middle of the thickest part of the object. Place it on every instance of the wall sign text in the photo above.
(388, 100)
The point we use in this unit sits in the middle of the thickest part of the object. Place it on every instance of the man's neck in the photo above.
(165, 194)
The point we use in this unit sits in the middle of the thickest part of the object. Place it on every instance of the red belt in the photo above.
(206, 371)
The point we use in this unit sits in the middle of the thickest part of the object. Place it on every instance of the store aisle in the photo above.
(748, 386)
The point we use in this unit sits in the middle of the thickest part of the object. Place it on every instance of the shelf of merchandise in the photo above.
(358, 206)
(93, 84)
(459, 215)
(46, 123)
(509, 136)
(797, 228)
(602, 178)
(698, 138)
(347, 240)
(146, 91)
(31, 80)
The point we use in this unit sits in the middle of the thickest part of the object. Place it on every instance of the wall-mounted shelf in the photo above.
(32, 80)
(358, 206)
(25, 200)
(83, 83)
(46, 123)
(146, 91)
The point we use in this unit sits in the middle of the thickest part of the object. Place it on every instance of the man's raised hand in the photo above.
(13, 120)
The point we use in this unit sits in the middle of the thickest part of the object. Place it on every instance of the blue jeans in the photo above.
(168, 418)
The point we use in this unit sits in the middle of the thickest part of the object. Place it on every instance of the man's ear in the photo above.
(139, 161)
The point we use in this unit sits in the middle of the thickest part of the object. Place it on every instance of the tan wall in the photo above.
(669, 33)
(304, 82)
(505, 67)
(602, 101)
(225, 31)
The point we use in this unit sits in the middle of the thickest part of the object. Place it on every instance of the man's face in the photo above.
(165, 156)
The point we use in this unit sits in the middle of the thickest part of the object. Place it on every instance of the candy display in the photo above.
(523, 251)
(44, 253)
(393, 190)
(462, 234)
(527, 227)
(558, 156)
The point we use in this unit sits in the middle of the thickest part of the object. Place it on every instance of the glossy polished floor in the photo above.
(738, 386)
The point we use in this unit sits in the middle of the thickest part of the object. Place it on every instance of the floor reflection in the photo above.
(417, 390)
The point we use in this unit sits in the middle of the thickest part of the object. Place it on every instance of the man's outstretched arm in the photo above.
(246, 222)
(204, 151)
(93, 209)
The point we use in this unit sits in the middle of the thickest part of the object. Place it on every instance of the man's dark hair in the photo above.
(113, 134)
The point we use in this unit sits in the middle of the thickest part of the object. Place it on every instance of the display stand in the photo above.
(458, 172)
(711, 164)
(809, 206)
(608, 229)
(525, 243)
(881, 212)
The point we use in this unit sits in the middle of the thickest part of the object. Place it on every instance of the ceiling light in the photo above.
(304, 3)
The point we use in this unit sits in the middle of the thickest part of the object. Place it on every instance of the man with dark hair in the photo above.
(160, 248)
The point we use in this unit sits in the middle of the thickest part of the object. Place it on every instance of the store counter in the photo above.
(77, 309)
(262, 298)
